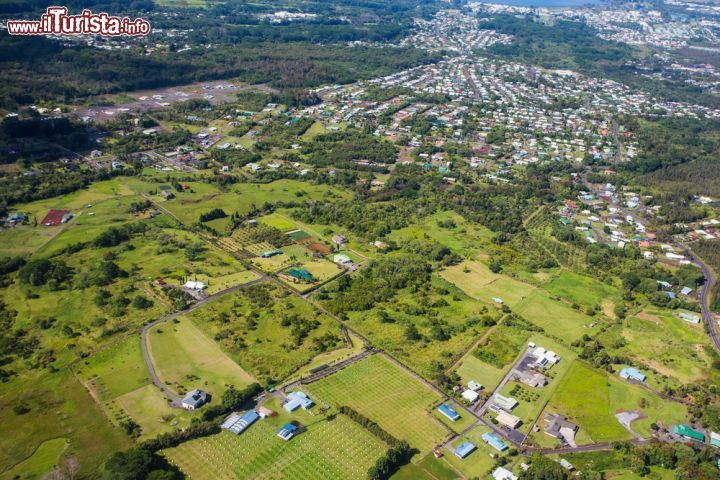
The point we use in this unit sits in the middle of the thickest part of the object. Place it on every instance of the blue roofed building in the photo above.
(464, 449)
(494, 441)
(630, 373)
(239, 423)
(449, 412)
(296, 400)
(287, 431)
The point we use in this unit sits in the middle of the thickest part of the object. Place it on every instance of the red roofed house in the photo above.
(56, 217)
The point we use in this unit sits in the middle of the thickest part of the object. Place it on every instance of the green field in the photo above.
(556, 318)
(582, 290)
(42, 461)
(476, 279)
(331, 447)
(464, 237)
(388, 395)
(478, 463)
(185, 358)
(596, 413)
(472, 368)
(262, 340)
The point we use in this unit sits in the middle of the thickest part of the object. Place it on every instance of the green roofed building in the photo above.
(300, 274)
(687, 432)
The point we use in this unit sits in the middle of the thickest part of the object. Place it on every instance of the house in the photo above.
(630, 373)
(167, 194)
(508, 419)
(558, 426)
(474, 386)
(195, 286)
(239, 423)
(55, 218)
(532, 379)
(505, 403)
(494, 441)
(270, 253)
(470, 395)
(300, 274)
(287, 431)
(96, 154)
(715, 439)
(686, 432)
(449, 412)
(464, 449)
(501, 473)
(296, 400)
(194, 400)
(545, 358)
(339, 240)
(342, 259)
(686, 291)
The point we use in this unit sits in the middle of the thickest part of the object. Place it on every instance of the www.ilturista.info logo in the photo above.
(56, 21)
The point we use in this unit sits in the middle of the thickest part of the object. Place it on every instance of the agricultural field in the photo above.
(269, 343)
(584, 291)
(596, 413)
(378, 389)
(678, 351)
(185, 359)
(555, 317)
(446, 319)
(43, 460)
(332, 447)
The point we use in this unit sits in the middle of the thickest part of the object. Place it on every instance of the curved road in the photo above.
(175, 400)
(704, 295)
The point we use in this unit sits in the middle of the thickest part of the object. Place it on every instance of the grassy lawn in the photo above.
(472, 368)
(582, 290)
(555, 317)
(42, 461)
(476, 279)
(478, 463)
(185, 358)
(596, 413)
(458, 234)
(429, 468)
(149, 408)
(388, 395)
(278, 221)
(465, 420)
(331, 447)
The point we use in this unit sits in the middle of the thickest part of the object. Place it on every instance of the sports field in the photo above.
(334, 448)
(388, 395)
(185, 358)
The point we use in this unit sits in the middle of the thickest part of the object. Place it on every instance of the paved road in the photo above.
(175, 400)
(704, 296)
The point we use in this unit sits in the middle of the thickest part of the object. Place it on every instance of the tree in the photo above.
(543, 468)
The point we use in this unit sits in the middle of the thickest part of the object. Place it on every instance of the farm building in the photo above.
(296, 400)
(501, 473)
(494, 441)
(508, 419)
(194, 400)
(342, 259)
(470, 395)
(464, 449)
(630, 373)
(238, 423)
(715, 439)
(56, 217)
(287, 431)
(339, 240)
(689, 317)
(686, 291)
(449, 412)
(687, 432)
(270, 253)
(504, 403)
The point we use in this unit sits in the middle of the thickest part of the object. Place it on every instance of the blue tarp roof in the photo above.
(449, 412)
(464, 449)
